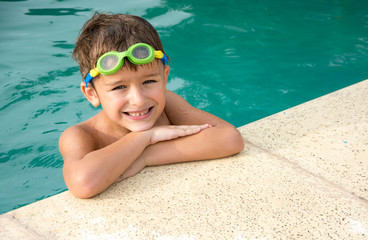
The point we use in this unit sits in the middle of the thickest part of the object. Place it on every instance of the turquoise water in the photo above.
(240, 60)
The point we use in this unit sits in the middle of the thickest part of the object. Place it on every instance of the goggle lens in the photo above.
(141, 52)
(109, 62)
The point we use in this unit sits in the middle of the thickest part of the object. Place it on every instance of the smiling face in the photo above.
(133, 100)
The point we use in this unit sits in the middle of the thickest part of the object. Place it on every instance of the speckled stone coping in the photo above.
(302, 175)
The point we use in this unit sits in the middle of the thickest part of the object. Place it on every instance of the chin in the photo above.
(140, 127)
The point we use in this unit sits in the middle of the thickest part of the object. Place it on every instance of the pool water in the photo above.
(240, 60)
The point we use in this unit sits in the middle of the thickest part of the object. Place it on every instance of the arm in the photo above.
(89, 170)
(221, 140)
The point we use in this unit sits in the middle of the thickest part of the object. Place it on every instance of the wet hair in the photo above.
(106, 32)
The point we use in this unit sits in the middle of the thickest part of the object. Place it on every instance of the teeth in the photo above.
(138, 114)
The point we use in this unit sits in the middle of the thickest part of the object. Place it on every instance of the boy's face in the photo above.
(133, 100)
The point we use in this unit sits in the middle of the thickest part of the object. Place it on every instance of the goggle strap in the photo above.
(160, 55)
(88, 79)
(93, 73)
(164, 59)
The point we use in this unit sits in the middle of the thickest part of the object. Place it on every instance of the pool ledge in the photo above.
(302, 175)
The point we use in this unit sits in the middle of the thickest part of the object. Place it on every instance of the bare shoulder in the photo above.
(76, 141)
(180, 112)
(173, 99)
(176, 106)
(76, 132)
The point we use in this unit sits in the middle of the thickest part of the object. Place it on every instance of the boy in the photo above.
(141, 123)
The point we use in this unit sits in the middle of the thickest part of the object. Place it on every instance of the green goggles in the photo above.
(111, 62)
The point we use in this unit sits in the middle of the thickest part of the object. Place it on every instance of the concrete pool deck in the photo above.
(302, 175)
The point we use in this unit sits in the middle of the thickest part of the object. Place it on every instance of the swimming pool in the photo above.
(240, 60)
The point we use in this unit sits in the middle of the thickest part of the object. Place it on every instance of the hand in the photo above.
(164, 133)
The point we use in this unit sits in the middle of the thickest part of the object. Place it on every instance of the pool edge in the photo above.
(306, 141)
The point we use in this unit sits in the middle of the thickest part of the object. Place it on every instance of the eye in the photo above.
(119, 87)
(149, 81)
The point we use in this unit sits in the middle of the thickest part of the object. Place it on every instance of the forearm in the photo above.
(215, 142)
(99, 169)
(92, 173)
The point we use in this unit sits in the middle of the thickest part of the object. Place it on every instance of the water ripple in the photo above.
(15, 152)
(56, 11)
(63, 45)
(52, 108)
(23, 92)
(47, 160)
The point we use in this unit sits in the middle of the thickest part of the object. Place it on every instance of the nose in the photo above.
(136, 97)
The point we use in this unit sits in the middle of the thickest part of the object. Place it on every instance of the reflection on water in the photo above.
(170, 18)
(56, 11)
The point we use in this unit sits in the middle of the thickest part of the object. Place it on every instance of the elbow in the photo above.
(238, 144)
(234, 142)
(82, 187)
(82, 193)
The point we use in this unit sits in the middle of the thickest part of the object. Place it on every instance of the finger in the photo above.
(205, 126)
(192, 129)
(201, 127)
(187, 130)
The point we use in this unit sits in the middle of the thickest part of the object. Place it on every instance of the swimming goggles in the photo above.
(111, 62)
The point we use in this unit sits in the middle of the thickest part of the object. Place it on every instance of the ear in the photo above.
(166, 73)
(90, 94)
